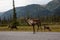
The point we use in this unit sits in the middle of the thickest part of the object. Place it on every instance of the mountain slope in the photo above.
(33, 10)
(57, 11)
(1, 13)
(53, 5)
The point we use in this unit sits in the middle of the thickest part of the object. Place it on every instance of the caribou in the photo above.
(12, 27)
(34, 22)
(46, 27)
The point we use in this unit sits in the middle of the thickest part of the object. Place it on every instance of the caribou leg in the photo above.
(37, 28)
(33, 28)
(41, 28)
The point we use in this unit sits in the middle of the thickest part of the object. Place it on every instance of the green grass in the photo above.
(54, 28)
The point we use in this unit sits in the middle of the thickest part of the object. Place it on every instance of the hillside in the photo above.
(33, 10)
(53, 5)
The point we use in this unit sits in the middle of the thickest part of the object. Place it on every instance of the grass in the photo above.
(54, 28)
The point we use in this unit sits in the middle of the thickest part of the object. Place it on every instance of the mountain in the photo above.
(33, 10)
(53, 5)
(1, 13)
(57, 11)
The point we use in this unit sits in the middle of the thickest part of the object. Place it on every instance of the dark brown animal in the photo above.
(12, 27)
(47, 27)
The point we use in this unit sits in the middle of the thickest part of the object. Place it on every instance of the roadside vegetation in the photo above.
(54, 28)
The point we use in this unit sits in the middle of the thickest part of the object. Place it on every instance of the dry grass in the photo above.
(54, 28)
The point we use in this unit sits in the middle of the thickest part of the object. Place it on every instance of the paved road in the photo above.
(29, 36)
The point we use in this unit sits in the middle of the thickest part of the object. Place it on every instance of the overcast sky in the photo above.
(6, 5)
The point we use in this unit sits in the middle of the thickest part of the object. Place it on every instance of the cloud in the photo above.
(7, 4)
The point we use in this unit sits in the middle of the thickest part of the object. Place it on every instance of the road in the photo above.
(29, 36)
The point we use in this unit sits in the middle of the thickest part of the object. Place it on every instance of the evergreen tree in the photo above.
(14, 23)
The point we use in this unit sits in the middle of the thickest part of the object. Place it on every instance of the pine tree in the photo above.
(14, 17)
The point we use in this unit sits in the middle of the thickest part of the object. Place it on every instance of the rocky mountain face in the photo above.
(53, 5)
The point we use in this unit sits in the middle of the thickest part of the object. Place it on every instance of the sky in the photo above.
(6, 5)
